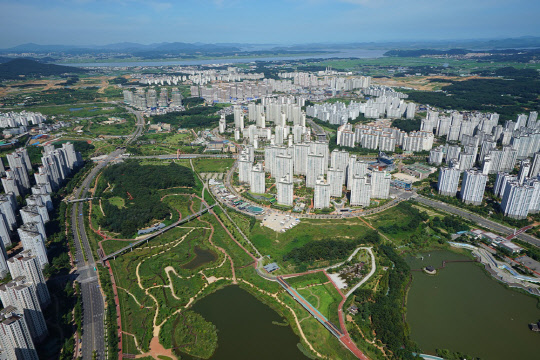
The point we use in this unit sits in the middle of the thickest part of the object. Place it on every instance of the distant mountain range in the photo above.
(131, 47)
(124, 46)
(18, 68)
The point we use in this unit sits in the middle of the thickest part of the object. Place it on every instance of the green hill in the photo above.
(18, 68)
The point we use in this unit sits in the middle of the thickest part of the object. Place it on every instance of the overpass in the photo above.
(79, 200)
(157, 233)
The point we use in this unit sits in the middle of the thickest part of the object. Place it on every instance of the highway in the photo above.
(93, 332)
(93, 304)
(489, 224)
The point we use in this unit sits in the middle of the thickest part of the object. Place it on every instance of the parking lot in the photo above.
(279, 222)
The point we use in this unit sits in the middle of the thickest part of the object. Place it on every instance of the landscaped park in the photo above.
(173, 289)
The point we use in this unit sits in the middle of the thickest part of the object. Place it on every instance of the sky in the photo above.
(99, 22)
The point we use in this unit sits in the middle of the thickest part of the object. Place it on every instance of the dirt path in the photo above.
(133, 296)
(156, 349)
(374, 343)
(134, 339)
(219, 248)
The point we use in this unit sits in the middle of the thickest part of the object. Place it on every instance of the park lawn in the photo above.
(152, 270)
(110, 246)
(180, 202)
(178, 138)
(212, 165)
(325, 298)
(391, 216)
(97, 127)
(117, 201)
(298, 282)
(154, 149)
(277, 244)
(96, 214)
(319, 337)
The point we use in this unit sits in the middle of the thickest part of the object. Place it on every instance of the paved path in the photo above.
(368, 276)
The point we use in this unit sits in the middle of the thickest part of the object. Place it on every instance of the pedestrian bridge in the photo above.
(310, 308)
(157, 233)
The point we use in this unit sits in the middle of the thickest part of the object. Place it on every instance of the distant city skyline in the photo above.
(99, 22)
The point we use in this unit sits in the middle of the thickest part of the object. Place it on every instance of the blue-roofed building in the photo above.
(271, 267)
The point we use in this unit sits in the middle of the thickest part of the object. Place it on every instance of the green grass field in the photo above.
(117, 201)
(277, 244)
(325, 298)
(212, 165)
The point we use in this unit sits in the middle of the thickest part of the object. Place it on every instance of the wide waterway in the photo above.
(462, 308)
(353, 53)
(246, 327)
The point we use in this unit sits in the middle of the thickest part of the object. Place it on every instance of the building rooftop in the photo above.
(271, 267)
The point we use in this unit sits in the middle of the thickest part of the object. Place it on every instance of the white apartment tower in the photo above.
(360, 191)
(15, 337)
(22, 295)
(516, 200)
(380, 184)
(315, 168)
(32, 240)
(449, 180)
(473, 187)
(321, 198)
(27, 265)
(336, 179)
(244, 169)
(285, 191)
(257, 183)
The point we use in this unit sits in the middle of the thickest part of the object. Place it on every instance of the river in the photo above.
(463, 309)
(246, 327)
(352, 53)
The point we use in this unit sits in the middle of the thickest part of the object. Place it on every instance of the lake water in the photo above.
(202, 256)
(463, 309)
(352, 53)
(245, 328)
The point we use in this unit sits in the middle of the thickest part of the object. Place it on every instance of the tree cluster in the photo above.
(386, 311)
(414, 215)
(138, 186)
(508, 98)
(407, 125)
(328, 249)
(191, 118)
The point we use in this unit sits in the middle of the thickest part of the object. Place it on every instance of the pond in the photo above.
(247, 328)
(202, 256)
(462, 308)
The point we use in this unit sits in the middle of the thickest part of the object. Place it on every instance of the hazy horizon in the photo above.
(280, 22)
